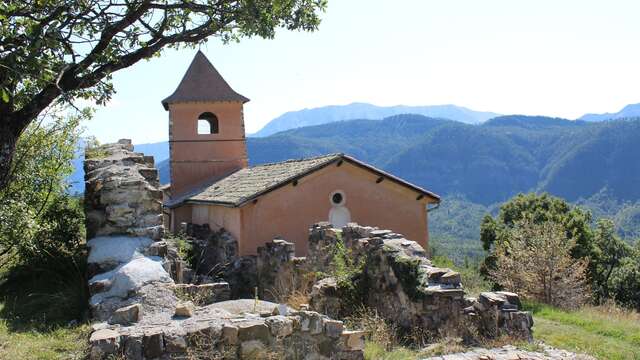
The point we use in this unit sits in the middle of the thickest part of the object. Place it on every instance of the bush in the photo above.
(536, 262)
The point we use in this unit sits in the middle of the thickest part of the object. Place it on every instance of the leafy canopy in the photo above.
(58, 51)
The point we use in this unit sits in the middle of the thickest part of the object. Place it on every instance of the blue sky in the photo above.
(558, 58)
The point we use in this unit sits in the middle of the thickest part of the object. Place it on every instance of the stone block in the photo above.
(253, 330)
(280, 326)
(353, 339)
(153, 344)
(230, 334)
(103, 343)
(133, 348)
(185, 309)
(333, 328)
(126, 315)
(175, 343)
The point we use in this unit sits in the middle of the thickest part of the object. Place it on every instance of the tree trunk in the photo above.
(8, 138)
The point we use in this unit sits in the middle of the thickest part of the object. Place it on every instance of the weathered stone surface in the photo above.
(253, 330)
(353, 340)
(511, 353)
(126, 315)
(185, 309)
(403, 286)
(279, 325)
(333, 328)
(153, 344)
(103, 343)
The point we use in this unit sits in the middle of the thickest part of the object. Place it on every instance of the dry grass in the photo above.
(379, 331)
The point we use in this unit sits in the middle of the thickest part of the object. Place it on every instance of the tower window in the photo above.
(207, 123)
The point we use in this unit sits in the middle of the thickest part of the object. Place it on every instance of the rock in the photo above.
(175, 343)
(279, 325)
(103, 343)
(230, 334)
(126, 315)
(253, 330)
(252, 349)
(131, 276)
(185, 309)
(333, 328)
(153, 343)
(311, 321)
(133, 348)
(353, 340)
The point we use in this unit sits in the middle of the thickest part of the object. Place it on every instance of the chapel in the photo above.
(212, 182)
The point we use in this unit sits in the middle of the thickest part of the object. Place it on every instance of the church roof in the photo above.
(247, 184)
(202, 82)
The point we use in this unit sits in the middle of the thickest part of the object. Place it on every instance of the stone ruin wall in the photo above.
(398, 280)
(142, 311)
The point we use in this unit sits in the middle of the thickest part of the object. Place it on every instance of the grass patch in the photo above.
(43, 311)
(605, 332)
(56, 343)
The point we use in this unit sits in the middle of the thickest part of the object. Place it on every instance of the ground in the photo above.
(32, 342)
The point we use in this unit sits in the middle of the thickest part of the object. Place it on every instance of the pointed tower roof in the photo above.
(202, 82)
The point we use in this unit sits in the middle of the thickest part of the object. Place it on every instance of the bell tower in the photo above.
(206, 128)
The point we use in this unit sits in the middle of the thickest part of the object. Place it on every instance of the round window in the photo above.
(337, 198)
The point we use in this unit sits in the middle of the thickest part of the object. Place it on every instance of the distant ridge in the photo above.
(333, 113)
(629, 111)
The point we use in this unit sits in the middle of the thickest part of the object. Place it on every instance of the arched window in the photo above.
(207, 123)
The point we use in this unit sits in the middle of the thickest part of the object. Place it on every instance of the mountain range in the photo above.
(333, 113)
(629, 111)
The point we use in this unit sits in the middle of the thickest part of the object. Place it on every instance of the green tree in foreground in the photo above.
(536, 262)
(55, 51)
(42, 253)
(37, 217)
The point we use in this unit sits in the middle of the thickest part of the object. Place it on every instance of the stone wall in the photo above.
(400, 282)
(124, 226)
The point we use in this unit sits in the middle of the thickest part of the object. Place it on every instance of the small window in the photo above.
(207, 123)
(337, 198)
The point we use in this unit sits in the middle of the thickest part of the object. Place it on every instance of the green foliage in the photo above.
(609, 252)
(407, 270)
(624, 282)
(39, 219)
(344, 266)
(42, 253)
(539, 209)
(348, 272)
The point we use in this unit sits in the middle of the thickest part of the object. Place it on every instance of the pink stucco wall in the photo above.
(198, 158)
(289, 211)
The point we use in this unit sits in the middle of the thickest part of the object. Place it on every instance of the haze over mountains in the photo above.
(629, 111)
(327, 114)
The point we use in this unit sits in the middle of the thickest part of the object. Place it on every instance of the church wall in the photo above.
(289, 211)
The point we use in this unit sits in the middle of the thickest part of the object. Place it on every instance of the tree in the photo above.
(539, 209)
(625, 279)
(608, 255)
(56, 51)
(29, 204)
(536, 262)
